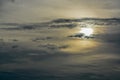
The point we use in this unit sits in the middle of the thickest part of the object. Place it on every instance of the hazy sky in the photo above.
(40, 10)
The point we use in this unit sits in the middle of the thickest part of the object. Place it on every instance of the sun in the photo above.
(86, 31)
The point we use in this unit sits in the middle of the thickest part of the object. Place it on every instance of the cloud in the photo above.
(42, 10)
(94, 59)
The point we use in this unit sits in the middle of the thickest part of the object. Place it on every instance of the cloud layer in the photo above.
(40, 10)
(47, 53)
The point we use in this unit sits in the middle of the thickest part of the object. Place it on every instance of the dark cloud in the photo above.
(43, 53)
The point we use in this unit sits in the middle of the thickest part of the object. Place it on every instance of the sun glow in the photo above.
(86, 31)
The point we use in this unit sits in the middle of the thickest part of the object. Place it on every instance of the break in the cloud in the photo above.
(39, 10)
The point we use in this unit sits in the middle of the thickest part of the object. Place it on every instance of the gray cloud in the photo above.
(96, 59)
(40, 10)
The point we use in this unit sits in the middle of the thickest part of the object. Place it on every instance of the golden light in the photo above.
(86, 31)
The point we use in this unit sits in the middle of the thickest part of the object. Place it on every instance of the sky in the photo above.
(51, 50)
(43, 10)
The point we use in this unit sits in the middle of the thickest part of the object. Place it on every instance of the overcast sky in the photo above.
(40, 10)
